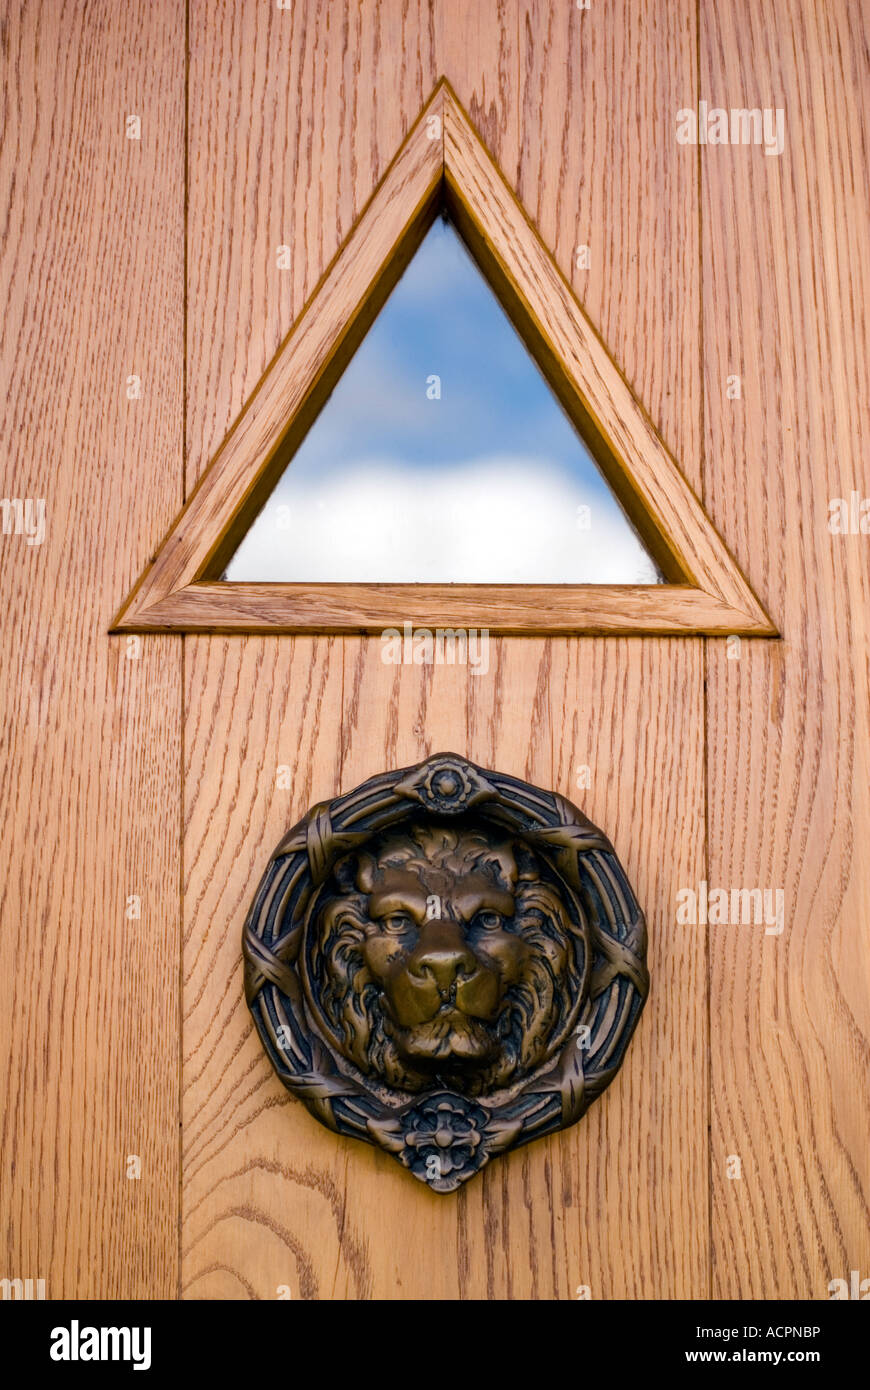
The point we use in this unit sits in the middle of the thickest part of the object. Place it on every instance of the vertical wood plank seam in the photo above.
(702, 480)
(519, 97)
(181, 796)
(705, 660)
(708, 965)
(184, 271)
(183, 684)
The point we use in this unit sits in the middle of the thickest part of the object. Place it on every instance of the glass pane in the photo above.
(443, 456)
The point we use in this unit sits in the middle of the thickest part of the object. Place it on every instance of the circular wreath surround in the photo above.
(441, 1135)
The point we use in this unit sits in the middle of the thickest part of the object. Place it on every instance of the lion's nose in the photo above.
(443, 957)
(444, 967)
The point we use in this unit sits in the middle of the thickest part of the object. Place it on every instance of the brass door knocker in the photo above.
(446, 962)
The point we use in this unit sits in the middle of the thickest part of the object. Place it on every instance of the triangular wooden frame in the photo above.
(443, 158)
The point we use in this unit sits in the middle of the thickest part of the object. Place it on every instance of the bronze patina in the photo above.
(446, 962)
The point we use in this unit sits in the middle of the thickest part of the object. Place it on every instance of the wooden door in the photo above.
(144, 790)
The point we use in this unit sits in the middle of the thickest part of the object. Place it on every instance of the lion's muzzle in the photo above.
(442, 995)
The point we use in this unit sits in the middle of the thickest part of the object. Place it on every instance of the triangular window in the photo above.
(403, 457)
(442, 456)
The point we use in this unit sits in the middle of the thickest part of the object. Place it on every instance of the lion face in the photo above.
(438, 956)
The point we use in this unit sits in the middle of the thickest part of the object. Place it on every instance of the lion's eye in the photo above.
(397, 922)
(488, 920)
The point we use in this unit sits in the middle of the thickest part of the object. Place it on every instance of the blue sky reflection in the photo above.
(487, 484)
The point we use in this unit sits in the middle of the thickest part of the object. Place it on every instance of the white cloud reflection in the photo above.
(497, 520)
(484, 485)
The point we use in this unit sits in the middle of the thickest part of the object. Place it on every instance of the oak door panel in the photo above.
(600, 168)
(273, 162)
(532, 1226)
(786, 257)
(91, 275)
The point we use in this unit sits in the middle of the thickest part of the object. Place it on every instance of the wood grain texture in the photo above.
(709, 593)
(176, 771)
(526, 1229)
(262, 178)
(284, 403)
(641, 470)
(786, 262)
(598, 99)
(502, 608)
(631, 711)
(91, 275)
(268, 1195)
(263, 1201)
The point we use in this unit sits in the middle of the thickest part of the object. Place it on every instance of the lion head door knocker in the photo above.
(446, 962)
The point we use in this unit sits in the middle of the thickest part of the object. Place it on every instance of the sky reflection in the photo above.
(490, 483)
